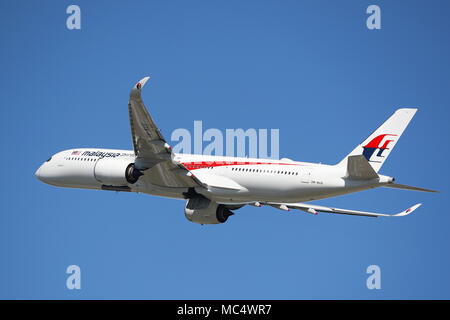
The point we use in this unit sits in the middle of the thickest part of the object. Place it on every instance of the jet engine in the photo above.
(204, 211)
(116, 171)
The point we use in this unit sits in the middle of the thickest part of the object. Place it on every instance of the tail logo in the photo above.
(379, 143)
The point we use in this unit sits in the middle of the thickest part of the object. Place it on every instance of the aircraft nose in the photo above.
(49, 174)
(38, 173)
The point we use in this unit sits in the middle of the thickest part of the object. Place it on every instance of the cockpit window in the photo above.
(49, 159)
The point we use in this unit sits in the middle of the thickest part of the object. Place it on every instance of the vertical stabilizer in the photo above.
(377, 147)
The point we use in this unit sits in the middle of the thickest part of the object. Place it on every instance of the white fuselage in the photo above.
(251, 179)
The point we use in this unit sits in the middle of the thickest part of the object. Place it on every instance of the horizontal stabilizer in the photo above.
(358, 168)
(405, 187)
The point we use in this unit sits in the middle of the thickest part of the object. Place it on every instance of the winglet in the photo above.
(407, 211)
(136, 90)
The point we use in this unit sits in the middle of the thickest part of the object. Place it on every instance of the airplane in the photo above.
(215, 186)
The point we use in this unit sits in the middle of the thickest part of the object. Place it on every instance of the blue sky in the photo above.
(310, 68)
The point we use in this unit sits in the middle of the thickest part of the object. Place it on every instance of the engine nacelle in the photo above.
(116, 171)
(204, 211)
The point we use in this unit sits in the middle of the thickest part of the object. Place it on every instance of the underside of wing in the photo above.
(154, 156)
(217, 181)
(315, 209)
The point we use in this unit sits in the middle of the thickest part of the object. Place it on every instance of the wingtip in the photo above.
(135, 91)
(141, 83)
(409, 210)
(413, 110)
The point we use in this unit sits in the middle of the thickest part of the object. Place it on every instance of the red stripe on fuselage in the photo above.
(208, 164)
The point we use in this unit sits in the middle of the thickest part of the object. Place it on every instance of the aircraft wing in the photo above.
(315, 209)
(153, 155)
